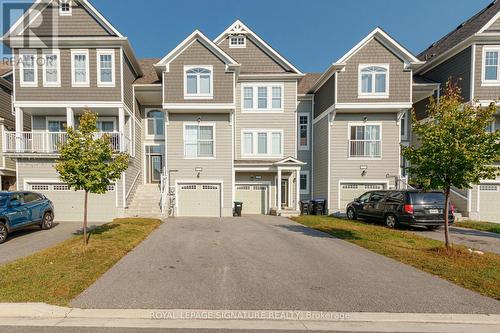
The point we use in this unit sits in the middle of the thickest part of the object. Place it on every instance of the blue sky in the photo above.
(310, 33)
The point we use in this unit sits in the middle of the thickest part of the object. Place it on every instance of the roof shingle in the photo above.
(307, 82)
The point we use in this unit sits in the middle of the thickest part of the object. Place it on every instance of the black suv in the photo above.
(396, 208)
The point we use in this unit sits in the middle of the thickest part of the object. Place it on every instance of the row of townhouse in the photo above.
(229, 119)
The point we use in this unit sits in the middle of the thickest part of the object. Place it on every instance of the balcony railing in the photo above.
(49, 142)
(365, 148)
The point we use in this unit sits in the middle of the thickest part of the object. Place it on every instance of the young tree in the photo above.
(87, 161)
(454, 148)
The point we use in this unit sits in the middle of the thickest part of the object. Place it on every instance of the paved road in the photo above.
(474, 239)
(139, 330)
(269, 263)
(25, 242)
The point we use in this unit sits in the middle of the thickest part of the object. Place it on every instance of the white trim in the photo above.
(33, 53)
(266, 183)
(307, 191)
(198, 95)
(490, 23)
(75, 52)
(308, 125)
(405, 118)
(255, 132)
(255, 97)
(490, 83)
(64, 104)
(364, 124)
(69, 12)
(242, 27)
(359, 181)
(46, 53)
(198, 182)
(388, 105)
(373, 94)
(201, 123)
(473, 73)
(110, 52)
(103, 20)
(199, 106)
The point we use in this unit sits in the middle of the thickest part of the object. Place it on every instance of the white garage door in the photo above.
(489, 198)
(68, 204)
(350, 191)
(199, 200)
(254, 198)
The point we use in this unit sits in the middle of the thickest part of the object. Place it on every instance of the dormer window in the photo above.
(237, 41)
(373, 81)
(65, 7)
(198, 82)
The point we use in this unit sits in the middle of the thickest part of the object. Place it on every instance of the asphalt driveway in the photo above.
(28, 241)
(269, 263)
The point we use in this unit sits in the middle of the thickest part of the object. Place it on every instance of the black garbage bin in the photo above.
(305, 207)
(319, 207)
(238, 207)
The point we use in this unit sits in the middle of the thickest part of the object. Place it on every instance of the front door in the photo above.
(284, 193)
(155, 167)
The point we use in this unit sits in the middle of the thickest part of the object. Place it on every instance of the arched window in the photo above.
(198, 82)
(155, 123)
(374, 80)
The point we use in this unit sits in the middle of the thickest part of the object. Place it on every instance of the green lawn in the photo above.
(58, 274)
(482, 226)
(480, 273)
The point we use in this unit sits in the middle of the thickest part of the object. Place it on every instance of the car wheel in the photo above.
(3, 233)
(47, 221)
(391, 221)
(351, 214)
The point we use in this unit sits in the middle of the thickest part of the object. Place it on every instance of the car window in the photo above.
(31, 197)
(364, 198)
(395, 197)
(421, 198)
(377, 196)
(17, 197)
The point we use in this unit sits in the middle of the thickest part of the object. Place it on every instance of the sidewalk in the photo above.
(43, 315)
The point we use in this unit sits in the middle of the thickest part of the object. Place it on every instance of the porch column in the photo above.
(121, 128)
(297, 194)
(19, 129)
(70, 118)
(278, 191)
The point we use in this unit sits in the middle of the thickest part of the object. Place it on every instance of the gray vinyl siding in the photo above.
(420, 108)
(324, 97)
(68, 205)
(198, 54)
(285, 120)
(321, 155)
(6, 107)
(343, 168)
(374, 53)
(306, 155)
(128, 78)
(458, 68)
(483, 92)
(80, 23)
(66, 92)
(219, 168)
(252, 58)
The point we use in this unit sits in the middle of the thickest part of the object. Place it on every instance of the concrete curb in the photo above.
(39, 314)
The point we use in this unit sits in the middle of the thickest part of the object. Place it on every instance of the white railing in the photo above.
(50, 142)
(164, 192)
(365, 148)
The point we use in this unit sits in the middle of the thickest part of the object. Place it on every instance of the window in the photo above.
(365, 141)
(155, 123)
(80, 68)
(106, 126)
(304, 182)
(489, 188)
(262, 143)
(404, 126)
(199, 140)
(262, 97)
(28, 68)
(304, 131)
(373, 81)
(490, 65)
(491, 127)
(198, 82)
(65, 7)
(106, 68)
(51, 69)
(31, 197)
(377, 197)
(237, 41)
(365, 197)
(56, 126)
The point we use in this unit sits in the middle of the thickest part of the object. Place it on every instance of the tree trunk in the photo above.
(446, 219)
(85, 240)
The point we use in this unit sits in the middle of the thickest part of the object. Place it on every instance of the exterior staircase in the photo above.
(146, 202)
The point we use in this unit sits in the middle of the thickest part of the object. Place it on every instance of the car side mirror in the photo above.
(357, 200)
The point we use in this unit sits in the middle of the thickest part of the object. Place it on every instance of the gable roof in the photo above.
(39, 5)
(196, 35)
(240, 28)
(307, 82)
(149, 74)
(476, 24)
